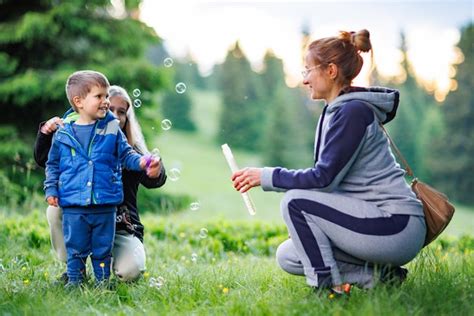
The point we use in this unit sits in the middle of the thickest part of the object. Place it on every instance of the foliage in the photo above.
(453, 165)
(177, 108)
(41, 44)
(202, 276)
(242, 114)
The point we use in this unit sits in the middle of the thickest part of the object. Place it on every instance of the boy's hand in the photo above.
(51, 125)
(154, 169)
(52, 200)
(152, 166)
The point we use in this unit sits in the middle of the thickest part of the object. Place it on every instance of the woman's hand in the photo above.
(53, 201)
(51, 125)
(247, 178)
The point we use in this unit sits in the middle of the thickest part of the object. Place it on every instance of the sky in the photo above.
(207, 29)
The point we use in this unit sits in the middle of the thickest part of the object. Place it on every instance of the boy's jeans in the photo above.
(88, 234)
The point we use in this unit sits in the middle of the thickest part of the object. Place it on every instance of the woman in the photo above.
(354, 201)
(128, 251)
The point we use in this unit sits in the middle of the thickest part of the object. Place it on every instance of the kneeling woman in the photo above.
(353, 206)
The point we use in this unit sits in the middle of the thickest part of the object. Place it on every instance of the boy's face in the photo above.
(95, 105)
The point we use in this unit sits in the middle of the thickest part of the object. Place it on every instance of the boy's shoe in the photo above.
(64, 279)
(72, 286)
(393, 275)
(110, 285)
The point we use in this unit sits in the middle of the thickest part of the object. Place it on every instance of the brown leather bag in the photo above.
(438, 211)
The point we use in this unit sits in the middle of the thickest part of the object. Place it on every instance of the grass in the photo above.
(222, 279)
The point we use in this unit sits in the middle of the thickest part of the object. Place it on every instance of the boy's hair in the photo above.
(81, 82)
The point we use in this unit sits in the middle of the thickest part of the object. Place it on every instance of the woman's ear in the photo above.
(332, 71)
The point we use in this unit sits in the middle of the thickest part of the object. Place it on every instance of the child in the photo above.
(83, 174)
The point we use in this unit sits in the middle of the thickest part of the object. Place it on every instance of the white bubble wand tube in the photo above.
(233, 166)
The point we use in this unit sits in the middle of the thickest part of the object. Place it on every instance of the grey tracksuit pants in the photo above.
(324, 225)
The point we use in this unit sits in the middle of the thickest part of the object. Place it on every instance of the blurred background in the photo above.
(214, 72)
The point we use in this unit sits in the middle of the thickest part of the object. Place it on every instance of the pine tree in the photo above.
(453, 166)
(407, 128)
(43, 42)
(177, 108)
(241, 117)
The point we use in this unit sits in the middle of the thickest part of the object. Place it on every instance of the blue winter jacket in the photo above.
(93, 177)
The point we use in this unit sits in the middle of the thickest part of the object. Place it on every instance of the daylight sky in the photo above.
(207, 29)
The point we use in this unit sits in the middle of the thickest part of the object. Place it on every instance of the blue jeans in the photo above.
(88, 234)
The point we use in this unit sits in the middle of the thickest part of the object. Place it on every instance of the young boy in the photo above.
(83, 174)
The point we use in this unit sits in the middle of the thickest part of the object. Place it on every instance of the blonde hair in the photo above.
(343, 51)
(132, 128)
(80, 83)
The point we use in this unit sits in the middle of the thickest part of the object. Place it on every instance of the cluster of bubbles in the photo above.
(156, 283)
(137, 102)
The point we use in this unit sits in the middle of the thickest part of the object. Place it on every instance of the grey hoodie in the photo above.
(352, 154)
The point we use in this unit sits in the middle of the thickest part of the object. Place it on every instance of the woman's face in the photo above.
(119, 107)
(316, 79)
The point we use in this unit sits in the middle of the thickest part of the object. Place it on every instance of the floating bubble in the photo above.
(166, 124)
(194, 257)
(156, 282)
(181, 88)
(168, 62)
(155, 152)
(137, 103)
(203, 233)
(136, 93)
(174, 174)
(194, 206)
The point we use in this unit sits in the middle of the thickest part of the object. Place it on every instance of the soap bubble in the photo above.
(137, 103)
(168, 62)
(155, 152)
(203, 233)
(156, 282)
(166, 124)
(194, 206)
(136, 93)
(181, 88)
(174, 174)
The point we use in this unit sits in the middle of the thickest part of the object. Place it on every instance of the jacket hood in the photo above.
(72, 116)
(383, 101)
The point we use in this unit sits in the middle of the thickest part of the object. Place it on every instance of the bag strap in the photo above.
(398, 153)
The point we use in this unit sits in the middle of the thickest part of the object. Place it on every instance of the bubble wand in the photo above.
(233, 166)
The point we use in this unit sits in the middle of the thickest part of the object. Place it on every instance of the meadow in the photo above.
(217, 259)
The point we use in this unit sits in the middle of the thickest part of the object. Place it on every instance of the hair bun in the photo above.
(360, 40)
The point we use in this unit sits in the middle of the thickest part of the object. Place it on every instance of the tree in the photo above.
(241, 117)
(453, 165)
(43, 42)
(177, 108)
(407, 128)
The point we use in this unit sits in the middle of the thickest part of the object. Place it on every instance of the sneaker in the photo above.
(62, 280)
(393, 275)
(346, 292)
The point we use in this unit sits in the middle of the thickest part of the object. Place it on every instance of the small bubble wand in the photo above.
(233, 167)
